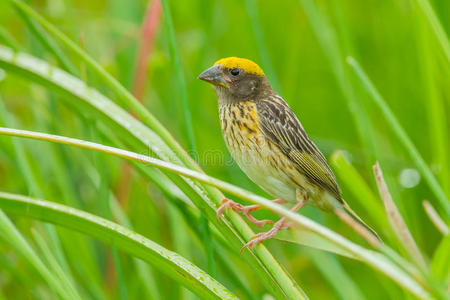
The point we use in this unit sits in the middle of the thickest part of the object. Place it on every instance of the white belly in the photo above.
(256, 164)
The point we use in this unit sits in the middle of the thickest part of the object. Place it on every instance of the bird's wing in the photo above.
(282, 127)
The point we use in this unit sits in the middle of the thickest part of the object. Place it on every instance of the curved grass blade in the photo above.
(168, 262)
(123, 94)
(435, 218)
(401, 135)
(10, 234)
(304, 237)
(181, 84)
(265, 260)
(187, 120)
(34, 185)
(236, 230)
(205, 197)
(8, 40)
(146, 275)
(358, 186)
(252, 11)
(436, 26)
(439, 135)
(396, 220)
(440, 263)
(56, 268)
(337, 277)
(328, 40)
(372, 258)
(47, 42)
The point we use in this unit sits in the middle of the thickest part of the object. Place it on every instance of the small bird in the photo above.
(270, 145)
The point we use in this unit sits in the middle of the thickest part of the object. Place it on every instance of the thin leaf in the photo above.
(396, 220)
(435, 218)
(187, 120)
(336, 275)
(10, 234)
(148, 32)
(440, 263)
(34, 186)
(234, 228)
(436, 26)
(8, 40)
(359, 188)
(374, 259)
(436, 106)
(47, 42)
(147, 276)
(401, 135)
(168, 262)
(55, 267)
(181, 85)
(304, 237)
(124, 95)
(328, 40)
(252, 11)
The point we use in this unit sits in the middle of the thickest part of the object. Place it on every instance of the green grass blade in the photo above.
(105, 211)
(436, 106)
(396, 220)
(168, 262)
(332, 270)
(8, 40)
(147, 277)
(435, 218)
(402, 136)
(275, 277)
(187, 119)
(47, 41)
(436, 27)
(348, 174)
(54, 265)
(440, 263)
(252, 10)
(234, 228)
(328, 40)
(181, 85)
(123, 94)
(34, 185)
(10, 234)
(374, 259)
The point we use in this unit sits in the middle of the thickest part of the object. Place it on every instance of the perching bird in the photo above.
(270, 145)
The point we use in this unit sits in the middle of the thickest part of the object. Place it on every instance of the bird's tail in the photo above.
(346, 214)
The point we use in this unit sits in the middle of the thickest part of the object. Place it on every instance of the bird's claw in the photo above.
(245, 210)
(262, 236)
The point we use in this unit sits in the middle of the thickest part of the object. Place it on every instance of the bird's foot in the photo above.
(245, 210)
(262, 236)
(279, 225)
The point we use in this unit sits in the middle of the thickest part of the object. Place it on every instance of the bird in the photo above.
(270, 145)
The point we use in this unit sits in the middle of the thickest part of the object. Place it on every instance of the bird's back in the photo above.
(283, 128)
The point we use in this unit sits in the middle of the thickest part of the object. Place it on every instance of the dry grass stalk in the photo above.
(396, 220)
(435, 218)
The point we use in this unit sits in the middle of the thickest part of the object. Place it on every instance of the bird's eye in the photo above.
(235, 72)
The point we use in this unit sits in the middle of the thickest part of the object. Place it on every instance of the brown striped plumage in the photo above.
(268, 141)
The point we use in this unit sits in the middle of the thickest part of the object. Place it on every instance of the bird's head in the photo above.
(236, 78)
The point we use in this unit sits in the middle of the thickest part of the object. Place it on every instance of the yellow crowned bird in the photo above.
(269, 144)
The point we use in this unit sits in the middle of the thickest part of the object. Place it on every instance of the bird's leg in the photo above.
(280, 224)
(245, 210)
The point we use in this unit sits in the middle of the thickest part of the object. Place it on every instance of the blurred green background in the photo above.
(304, 61)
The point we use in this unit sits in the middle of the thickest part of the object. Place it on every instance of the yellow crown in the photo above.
(245, 64)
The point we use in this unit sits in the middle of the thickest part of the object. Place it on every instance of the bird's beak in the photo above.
(215, 75)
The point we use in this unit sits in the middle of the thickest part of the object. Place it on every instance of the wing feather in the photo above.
(282, 127)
